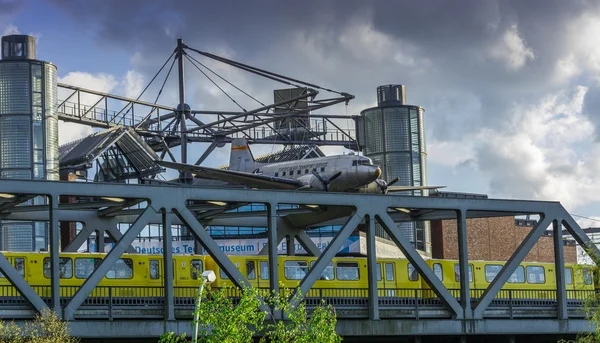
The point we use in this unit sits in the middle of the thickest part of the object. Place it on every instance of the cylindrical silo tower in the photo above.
(28, 131)
(393, 136)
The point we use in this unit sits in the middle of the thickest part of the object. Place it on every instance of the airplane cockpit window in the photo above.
(365, 162)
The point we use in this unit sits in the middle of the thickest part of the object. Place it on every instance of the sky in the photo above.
(511, 89)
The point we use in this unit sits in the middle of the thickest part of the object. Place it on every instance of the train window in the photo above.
(327, 273)
(264, 270)
(587, 276)
(305, 171)
(122, 269)
(298, 172)
(437, 270)
(65, 268)
(389, 272)
(283, 174)
(378, 271)
(154, 270)
(413, 275)
(195, 269)
(491, 270)
(347, 271)
(457, 272)
(535, 274)
(20, 266)
(250, 270)
(295, 270)
(223, 275)
(568, 276)
(518, 276)
(84, 267)
(277, 174)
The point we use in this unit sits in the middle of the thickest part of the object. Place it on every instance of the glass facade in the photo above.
(28, 140)
(395, 140)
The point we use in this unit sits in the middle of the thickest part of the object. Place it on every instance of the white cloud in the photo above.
(133, 84)
(11, 30)
(538, 157)
(512, 50)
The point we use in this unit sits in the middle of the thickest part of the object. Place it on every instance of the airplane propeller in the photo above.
(324, 182)
(383, 185)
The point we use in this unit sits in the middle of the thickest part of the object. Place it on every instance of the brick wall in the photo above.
(492, 239)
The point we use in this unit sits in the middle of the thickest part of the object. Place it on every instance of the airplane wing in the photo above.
(391, 189)
(237, 177)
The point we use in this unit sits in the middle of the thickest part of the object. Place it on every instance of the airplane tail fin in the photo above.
(241, 158)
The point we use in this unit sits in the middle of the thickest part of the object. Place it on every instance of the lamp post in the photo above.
(207, 277)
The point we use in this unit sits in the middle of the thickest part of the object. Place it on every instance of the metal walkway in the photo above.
(362, 313)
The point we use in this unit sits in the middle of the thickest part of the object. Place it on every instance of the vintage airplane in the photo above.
(340, 173)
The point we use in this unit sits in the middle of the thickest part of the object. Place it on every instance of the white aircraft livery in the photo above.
(339, 173)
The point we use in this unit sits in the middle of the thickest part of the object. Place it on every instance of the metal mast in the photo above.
(181, 109)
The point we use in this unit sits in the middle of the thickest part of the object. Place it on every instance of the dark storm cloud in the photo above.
(472, 64)
(454, 36)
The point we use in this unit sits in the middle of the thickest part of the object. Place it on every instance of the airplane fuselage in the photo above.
(356, 171)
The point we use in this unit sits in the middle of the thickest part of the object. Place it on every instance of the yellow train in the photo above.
(343, 277)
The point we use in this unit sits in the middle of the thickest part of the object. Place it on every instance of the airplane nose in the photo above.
(378, 172)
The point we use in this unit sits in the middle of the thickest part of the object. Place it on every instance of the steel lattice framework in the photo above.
(165, 127)
(170, 205)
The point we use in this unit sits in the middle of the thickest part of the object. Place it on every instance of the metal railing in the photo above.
(110, 302)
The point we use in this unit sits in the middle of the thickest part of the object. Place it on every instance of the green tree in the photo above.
(226, 320)
(46, 328)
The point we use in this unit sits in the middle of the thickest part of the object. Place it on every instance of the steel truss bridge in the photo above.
(362, 313)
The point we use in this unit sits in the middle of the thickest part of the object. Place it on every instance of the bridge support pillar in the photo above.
(290, 245)
(168, 265)
(54, 257)
(559, 270)
(272, 243)
(463, 260)
(372, 268)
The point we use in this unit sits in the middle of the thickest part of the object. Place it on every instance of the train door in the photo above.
(263, 274)
(252, 272)
(386, 278)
